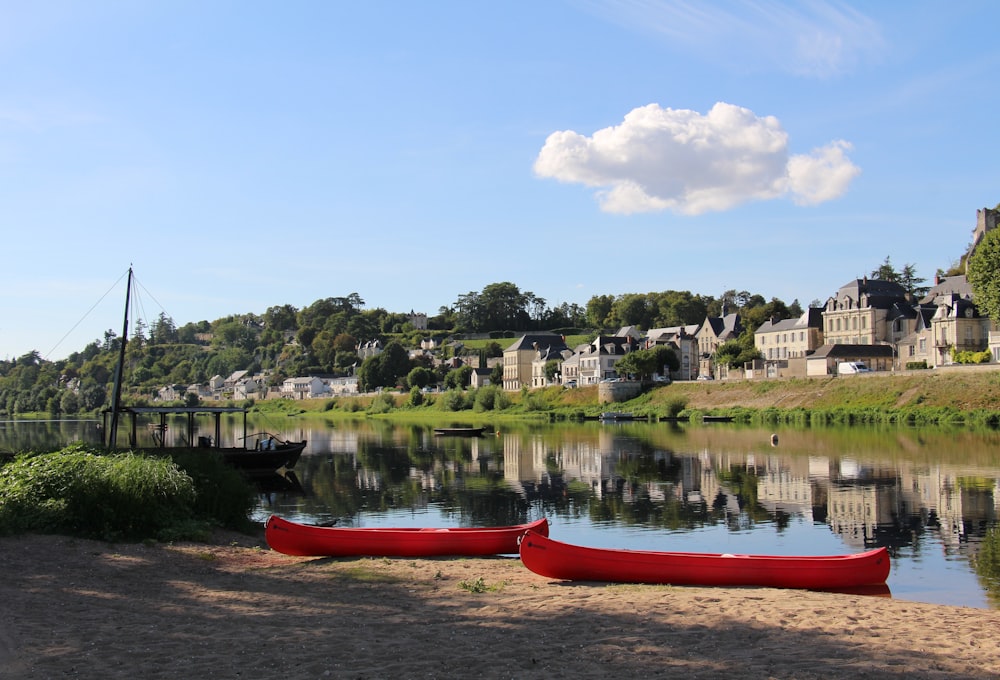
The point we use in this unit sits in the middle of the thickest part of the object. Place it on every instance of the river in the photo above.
(932, 497)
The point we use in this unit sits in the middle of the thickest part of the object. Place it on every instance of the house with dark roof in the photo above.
(947, 320)
(518, 358)
(683, 340)
(714, 331)
(596, 361)
(864, 310)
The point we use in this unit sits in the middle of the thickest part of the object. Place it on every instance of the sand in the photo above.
(234, 609)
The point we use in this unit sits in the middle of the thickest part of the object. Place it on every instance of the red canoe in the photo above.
(292, 538)
(558, 560)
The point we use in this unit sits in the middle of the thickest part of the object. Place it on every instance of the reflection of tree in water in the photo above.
(410, 474)
(987, 565)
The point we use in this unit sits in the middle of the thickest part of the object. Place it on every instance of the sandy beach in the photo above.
(235, 609)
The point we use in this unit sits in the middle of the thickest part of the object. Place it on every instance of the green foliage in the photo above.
(420, 377)
(984, 274)
(675, 406)
(965, 357)
(82, 493)
(987, 563)
(223, 496)
(535, 401)
(455, 400)
(644, 363)
(480, 586)
(490, 398)
(382, 403)
(385, 369)
(416, 397)
(459, 378)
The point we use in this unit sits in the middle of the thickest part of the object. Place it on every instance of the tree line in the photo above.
(323, 338)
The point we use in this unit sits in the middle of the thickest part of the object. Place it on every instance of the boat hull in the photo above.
(292, 538)
(459, 431)
(282, 456)
(558, 560)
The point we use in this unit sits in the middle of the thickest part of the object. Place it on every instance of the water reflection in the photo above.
(930, 497)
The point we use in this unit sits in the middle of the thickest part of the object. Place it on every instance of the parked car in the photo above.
(569, 384)
(704, 376)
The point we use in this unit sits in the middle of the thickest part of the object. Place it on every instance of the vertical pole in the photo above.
(116, 397)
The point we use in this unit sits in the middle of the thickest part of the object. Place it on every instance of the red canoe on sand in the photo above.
(293, 538)
(568, 562)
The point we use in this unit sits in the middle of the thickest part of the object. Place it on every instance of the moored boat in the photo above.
(292, 538)
(616, 415)
(459, 431)
(282, 454)
(564, 561)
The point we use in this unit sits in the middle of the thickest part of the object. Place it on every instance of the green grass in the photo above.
(82, 491)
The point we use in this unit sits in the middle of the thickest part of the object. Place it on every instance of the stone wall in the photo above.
(612, 392)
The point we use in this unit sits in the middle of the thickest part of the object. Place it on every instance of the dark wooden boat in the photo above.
(459, 431)
(292, 538)
(616, 416)
(282, 455)
(554, 559)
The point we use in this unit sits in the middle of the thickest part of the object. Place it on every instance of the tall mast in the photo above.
(116, 396)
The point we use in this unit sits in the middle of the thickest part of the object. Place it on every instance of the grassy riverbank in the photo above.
(932, 397)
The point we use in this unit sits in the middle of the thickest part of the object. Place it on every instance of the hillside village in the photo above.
(868, 322)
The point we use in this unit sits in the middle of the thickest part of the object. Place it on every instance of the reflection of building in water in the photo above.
(865, 502)
(962, 503)
(333, 440)
(781, 488)
(531, 461)
(854, 511)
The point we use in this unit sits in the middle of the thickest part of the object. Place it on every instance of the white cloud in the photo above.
(676, 159)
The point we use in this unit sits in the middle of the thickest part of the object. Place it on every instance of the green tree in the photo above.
(419, 377)
(984, 274)
(599, 309)
(736, 353)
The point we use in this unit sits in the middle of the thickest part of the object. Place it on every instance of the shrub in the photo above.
(675, 405)
(490, 398)
(382, 403)
(454, 400)
(81, 493)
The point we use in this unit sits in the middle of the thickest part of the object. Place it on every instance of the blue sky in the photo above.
(247, 154)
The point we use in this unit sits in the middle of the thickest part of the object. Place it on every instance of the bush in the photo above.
(454, 400)
(983, 357)
(490, 398)
(675, 405)
(382, 403)
(81, 493)
(126, 496)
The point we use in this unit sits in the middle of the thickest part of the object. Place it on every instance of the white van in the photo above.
(851, 367)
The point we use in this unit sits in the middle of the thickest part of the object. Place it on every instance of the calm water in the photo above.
(930, 496)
